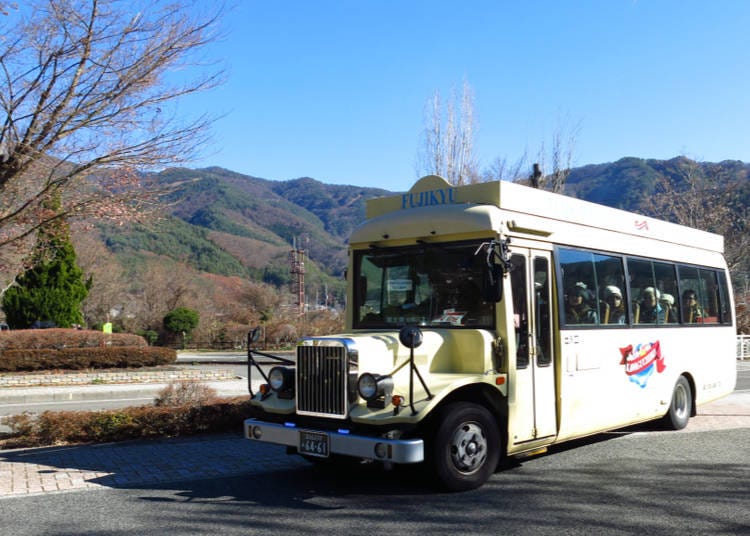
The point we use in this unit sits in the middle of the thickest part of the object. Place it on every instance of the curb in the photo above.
(29, 395)
(141, 384)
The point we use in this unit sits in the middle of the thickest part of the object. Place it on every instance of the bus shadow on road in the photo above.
(294, 487)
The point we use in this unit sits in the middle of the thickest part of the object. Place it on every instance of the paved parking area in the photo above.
(118, 465)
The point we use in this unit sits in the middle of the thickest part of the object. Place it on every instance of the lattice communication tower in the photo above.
(297, 269)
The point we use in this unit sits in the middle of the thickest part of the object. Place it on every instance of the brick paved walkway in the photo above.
(116, 465)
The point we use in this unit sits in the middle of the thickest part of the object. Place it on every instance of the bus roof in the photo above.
(540, 208)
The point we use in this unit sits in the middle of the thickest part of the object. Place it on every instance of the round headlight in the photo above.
(367, 386)
(278, 378)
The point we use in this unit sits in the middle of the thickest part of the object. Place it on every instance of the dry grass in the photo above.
(185, 409)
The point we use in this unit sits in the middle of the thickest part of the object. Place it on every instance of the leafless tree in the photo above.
(556, 163)
(448, 139)
(502, 169)
(109, 285)
(707, 199)
(160, 288)
(6, 6)
(88, 95)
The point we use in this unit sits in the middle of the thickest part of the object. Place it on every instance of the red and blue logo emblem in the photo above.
(641, 361)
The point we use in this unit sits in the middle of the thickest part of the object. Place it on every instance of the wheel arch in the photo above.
(691, 383)
(477, 393)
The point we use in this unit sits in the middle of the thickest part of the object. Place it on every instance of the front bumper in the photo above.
(357, 446)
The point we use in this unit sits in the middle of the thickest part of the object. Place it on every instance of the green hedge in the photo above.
(32, 359)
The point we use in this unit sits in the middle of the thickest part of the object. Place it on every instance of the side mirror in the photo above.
(410, 336)
(492, 290)
(492, 282)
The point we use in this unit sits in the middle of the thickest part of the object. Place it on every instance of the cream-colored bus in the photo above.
(494, 320)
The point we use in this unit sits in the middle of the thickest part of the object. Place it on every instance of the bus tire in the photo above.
(681, 406)
(465, 446)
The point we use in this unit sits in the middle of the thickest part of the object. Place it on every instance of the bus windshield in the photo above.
(434, 285)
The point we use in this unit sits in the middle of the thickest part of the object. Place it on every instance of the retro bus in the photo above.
(493, 320)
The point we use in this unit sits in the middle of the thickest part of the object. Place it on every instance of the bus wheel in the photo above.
(465, 447)
(681, 407)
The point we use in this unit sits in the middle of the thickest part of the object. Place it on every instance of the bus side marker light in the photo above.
(398, 401)
(500, 380)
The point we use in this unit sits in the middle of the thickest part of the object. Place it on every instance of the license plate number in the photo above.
(313, 444)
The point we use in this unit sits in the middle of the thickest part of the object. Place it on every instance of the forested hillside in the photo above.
(628, 183)
(223, 239)
(230, 224)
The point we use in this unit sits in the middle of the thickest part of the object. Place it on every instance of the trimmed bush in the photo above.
(85, 358)
(65, 338)
(186, 394)
(65, 427)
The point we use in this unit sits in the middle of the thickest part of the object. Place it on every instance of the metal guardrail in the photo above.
(743, 347)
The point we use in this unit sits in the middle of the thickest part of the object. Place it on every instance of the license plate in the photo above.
(313, 444)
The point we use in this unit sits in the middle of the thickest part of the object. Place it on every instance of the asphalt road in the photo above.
(613, 484)
(74, 405)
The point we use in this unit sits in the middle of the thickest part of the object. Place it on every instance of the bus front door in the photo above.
(533, 414)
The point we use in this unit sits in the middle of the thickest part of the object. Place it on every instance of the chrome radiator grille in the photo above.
(322, 380)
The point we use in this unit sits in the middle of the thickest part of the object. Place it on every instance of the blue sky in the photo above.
(336, 90)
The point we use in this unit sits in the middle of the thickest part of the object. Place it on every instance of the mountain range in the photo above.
(226, 223)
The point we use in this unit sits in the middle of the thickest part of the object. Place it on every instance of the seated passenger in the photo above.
(692, 312)
(577, 311)
(670, 311)
(651, 311)
(613, 297)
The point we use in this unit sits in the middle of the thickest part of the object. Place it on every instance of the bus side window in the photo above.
(645, 293)
(542, 311)
(692, 293)
(711, 299)
(580, 306)
(725, 316)
(610, 277)
(520, 312)
(666, 285)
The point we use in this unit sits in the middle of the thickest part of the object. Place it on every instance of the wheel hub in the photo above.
(469, 447)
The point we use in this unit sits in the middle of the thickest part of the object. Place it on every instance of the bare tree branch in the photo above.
(706, 200)
(448, 139)
(88, 95)
(557, 163)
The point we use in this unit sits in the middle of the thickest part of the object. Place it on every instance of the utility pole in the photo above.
(297, 269)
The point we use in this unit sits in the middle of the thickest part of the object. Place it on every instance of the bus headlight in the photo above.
(281, 379)
(375, 388)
